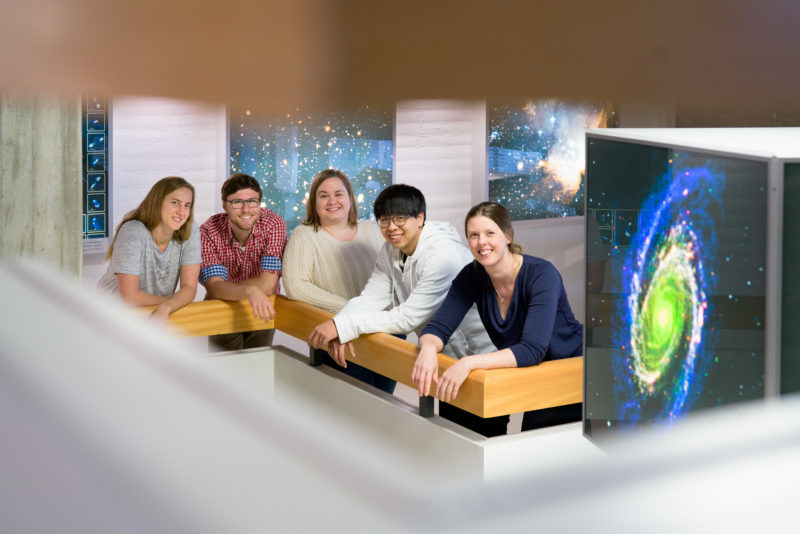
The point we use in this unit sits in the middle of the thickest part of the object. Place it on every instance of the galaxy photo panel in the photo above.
(96, 224)
(96, 182)
(96, 122)
(96, 202)
(537, 155)
(676, 302)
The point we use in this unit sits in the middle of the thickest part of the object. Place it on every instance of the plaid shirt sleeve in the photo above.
(275, 229)
(212, 264)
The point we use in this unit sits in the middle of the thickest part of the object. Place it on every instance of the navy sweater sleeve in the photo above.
(541, 291)
(453, 309)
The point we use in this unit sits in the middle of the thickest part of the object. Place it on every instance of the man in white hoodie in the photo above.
(410, 280)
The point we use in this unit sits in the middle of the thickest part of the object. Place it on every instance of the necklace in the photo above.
(513, 277)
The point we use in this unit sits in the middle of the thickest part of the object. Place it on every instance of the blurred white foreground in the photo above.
(111, 425)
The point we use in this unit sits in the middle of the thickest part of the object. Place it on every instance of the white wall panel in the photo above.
(440, 148)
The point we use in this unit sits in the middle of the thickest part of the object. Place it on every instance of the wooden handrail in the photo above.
(486, 393)
(212, 317)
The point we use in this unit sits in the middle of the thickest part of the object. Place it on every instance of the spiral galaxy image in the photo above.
(676, 264)
(668, 275)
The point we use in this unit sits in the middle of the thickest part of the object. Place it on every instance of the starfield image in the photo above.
(537, 155)
(284, 152)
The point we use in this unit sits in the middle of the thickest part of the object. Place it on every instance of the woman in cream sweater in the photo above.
(329, 258)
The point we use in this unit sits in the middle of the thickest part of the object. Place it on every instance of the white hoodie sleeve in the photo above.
(364, 315)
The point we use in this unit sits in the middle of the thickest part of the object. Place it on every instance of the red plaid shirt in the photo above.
(224, 257)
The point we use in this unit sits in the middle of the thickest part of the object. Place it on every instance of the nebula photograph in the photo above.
(537, 154)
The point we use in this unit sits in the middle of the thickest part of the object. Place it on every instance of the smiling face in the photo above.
(403, 237)
(243, 219)
(488, 244)
(332, 202)
(176, 208)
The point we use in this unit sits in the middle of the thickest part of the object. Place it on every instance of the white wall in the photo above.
(562, 242)
(154, 137)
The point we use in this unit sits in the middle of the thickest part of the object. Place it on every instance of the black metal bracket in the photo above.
(426, 406)
(315, 356)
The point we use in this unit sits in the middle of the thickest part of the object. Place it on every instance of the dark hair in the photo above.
(312, 217)
(149, 211)
(238, 181)
(499, 214)
(399, 199)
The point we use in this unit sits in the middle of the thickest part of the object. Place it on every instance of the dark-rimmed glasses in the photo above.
(239, 203)
(398, 220)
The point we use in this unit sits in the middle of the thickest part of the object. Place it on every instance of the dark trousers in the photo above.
(498, 426)
(356, 371)
(241, 340)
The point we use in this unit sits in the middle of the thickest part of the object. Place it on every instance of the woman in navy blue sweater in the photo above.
(523, 305)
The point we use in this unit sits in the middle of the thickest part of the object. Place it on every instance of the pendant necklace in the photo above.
(513, 275)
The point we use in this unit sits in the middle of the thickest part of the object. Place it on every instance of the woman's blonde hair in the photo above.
(312, 217)
(149, 211)
(499, 214)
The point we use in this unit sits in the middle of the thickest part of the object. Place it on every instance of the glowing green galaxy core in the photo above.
(665, 315)
(664, 323)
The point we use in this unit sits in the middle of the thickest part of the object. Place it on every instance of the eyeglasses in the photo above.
(239, 203)
(398, 220)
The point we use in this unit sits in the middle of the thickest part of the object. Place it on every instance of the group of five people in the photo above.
(489, 306)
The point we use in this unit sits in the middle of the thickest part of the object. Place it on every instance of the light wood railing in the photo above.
(486, 393)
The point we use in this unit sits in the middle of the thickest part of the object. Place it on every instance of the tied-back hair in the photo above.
(149, 211)
(499, 214)
(400, 199)
(312, 217)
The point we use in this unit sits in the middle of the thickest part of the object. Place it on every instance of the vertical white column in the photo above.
(440, 148)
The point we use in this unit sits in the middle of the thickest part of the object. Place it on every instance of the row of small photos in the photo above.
(95, 183)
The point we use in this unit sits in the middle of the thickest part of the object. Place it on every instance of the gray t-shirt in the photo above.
(136, 253)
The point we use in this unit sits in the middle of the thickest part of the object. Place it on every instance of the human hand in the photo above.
(323, 334)
(452, 378)
(161, 314)
(426, 368)
(337, 351)
(260, 303)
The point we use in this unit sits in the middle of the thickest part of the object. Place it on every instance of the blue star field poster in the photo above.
(284, 152)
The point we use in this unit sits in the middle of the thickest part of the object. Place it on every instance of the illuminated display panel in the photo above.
(676, 252)
(790, 328)
(537, 155)
(95, 167)
(284, 152)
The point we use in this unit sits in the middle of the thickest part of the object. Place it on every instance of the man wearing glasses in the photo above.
(410, 280)
(241, 251)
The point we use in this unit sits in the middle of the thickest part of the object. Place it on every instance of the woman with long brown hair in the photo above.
(523, 305)
(154, 247)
